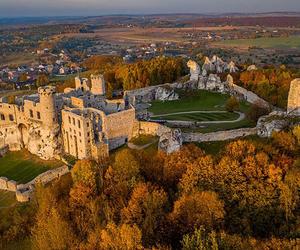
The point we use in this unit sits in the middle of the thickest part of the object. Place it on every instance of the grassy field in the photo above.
(272, 42)
(18, 59)
(221, 126)
(17, 93)
(143, 140)
(191, 101)
(23, 167)
(200, 117)
(201, 100)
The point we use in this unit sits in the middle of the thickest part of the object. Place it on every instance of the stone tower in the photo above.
(81, 84)
(294, 98)
(97, 85)
(47, 105)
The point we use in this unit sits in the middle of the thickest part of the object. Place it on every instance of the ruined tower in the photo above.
(81, 84)
(97, 85)
(47, 105)
(294, 98)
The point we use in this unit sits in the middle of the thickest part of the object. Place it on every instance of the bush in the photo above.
(232, 104)
(256, 111)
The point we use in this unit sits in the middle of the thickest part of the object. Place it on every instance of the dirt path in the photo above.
(137, 147)
(241, 117)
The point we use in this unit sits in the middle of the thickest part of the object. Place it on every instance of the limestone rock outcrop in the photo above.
(214, 83)
(166, 94)
(195, 70)
(229, 80)
(293, 107)
(275, 121)
(208, 65)
(170, 141)
(217, 65)
(231, 67)
(44, 142)
(10, 137)
(252, 67)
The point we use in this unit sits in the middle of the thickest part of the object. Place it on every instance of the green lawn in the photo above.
(265, 42)
(221, 126)
(200, 100)
(200, 117)
(191, 101)
(23, 167)
(143, 140)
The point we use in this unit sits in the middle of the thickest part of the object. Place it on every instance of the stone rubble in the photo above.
(166, 94)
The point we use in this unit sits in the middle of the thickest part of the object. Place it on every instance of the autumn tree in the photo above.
(83, 200)
(53, 232)
(121, 237)
(146, 209)
(232, 104)
(256, 111)
(200, 239)
(285, 140)
(22, 77)
(87, 173)
(119, 180)
(42, 80)
(197, 209)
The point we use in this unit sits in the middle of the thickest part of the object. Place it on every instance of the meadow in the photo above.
(265, 42)
(22, 167)
(211, 103)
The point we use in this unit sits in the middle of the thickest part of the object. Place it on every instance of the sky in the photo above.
(18, 8)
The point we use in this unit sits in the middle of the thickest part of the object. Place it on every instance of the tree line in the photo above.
(244, 197)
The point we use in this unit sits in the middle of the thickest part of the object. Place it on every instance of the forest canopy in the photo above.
(244, 197)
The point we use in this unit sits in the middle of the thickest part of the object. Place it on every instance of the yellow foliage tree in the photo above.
(123, 237)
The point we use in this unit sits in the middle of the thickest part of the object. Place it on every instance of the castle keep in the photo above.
(80, 122)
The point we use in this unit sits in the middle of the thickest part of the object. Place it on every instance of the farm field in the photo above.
(272, 42)
(18, 59)
(21, 166)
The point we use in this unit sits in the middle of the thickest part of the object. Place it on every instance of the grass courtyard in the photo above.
(200, 117)
(211, 107)
(23, 167)
(191, 101)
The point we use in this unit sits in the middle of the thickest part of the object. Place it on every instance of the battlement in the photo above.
(96, 77)
(46, 90)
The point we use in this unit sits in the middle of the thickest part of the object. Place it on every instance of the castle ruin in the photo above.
(80, 122)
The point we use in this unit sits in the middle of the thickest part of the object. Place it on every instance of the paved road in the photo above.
(240, 118)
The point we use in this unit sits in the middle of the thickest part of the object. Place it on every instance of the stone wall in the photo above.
(150, 128)
(118, 127)
(218, 136)
(247, 95)
(10, 137)
(8, 185)
(24, 192)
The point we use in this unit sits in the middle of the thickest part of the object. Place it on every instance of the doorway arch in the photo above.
(24, 134)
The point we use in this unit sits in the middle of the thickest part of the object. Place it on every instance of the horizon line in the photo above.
(152, 14)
